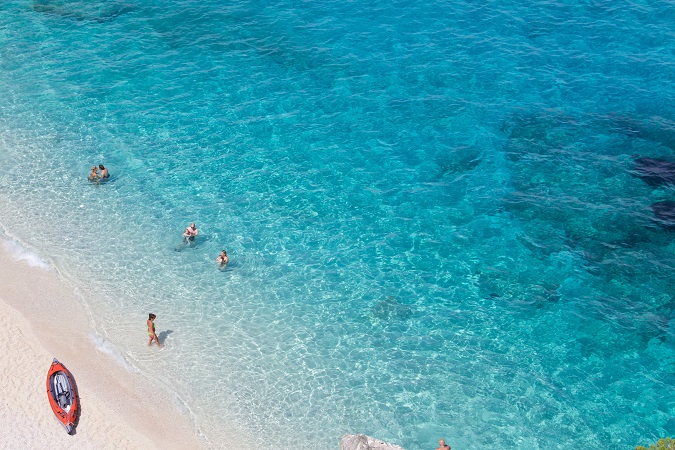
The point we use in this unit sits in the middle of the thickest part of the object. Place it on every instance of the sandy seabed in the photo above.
(40, 319)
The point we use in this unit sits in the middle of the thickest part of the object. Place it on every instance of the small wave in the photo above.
(19, 253)
(109, 349)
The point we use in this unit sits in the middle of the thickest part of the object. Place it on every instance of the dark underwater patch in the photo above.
(655, 129)
(81, 11)
(664, 213)
(391, 309)
(575, 190)
(458, 161)
(655, 171)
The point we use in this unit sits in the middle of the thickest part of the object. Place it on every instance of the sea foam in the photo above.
(109, 349)
(20, 253)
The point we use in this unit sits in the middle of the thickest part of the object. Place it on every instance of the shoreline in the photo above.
(41, 318)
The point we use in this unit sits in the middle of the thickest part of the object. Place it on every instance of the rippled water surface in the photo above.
(433, 210)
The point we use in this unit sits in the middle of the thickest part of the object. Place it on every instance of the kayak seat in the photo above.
(63, 401)
(61, 390)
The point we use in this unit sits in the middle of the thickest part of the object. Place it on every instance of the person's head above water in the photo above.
(151, 316)
(100, 166)
(93, 168)
(224, 252)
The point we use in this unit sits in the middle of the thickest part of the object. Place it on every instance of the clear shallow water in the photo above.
(430, 210)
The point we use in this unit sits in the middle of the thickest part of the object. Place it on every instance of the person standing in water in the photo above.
(151, 330)
(442, 445)
(104, 172)
(190, 233)
(222, 259)
(94, 176)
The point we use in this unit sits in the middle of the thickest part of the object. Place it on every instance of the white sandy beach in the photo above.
(41, 319)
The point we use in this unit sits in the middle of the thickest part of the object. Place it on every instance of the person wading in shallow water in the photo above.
(442, 445)
(190, 233)
(94, 176)
(151, 330)
(104, 172)
(222, 259)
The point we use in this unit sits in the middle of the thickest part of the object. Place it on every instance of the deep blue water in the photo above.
(431, 210)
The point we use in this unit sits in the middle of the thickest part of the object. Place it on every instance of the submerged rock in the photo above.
(665, 213)
(655, 172)
(363, 442)
(81, 10)
(391, 309)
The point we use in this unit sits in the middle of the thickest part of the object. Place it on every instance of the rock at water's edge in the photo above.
(363, 442)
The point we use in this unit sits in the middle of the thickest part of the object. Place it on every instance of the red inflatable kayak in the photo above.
(62, 395)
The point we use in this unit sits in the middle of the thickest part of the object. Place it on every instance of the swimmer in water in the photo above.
(104, 172)
(190, 233)
(442, 445)
(222, 259)
(94, 176)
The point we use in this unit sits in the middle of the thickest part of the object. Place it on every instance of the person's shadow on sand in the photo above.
(161, 337)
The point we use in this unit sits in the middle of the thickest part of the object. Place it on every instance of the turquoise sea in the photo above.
(431, 210)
